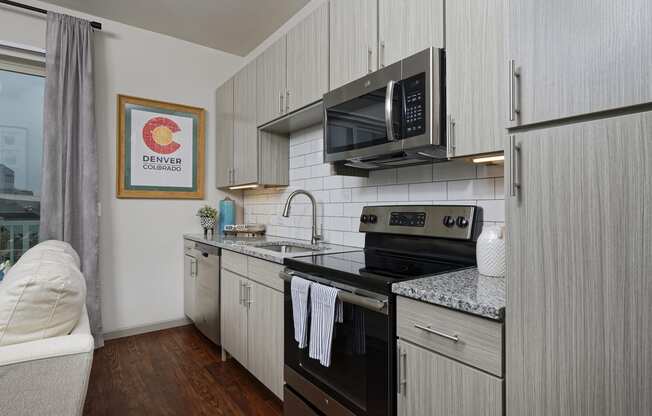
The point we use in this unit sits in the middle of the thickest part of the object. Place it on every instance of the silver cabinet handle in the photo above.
(382, 54)
(241, 299)
(450, 137)
(453, 338)
(248, 300)
(287, 101)
(514, 74)
(514, 166)
(401, 371)
(369, 56)
(280, 106)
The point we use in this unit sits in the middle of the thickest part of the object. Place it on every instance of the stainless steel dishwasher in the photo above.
(202, 288)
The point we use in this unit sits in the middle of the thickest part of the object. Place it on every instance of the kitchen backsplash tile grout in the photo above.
(341, 198)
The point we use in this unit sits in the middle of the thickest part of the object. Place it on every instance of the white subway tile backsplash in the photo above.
(414, 174)
(430, 191)
(367, 194)
(454, 170)
(393, 193)
(471, 189)
(341, 198)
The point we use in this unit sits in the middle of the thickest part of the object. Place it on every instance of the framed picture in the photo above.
(160, 150)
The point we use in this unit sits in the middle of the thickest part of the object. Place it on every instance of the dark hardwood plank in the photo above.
(173, 372)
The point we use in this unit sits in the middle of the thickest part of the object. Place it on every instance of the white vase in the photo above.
(490, 251)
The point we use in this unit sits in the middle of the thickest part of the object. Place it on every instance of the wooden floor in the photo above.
(173, 372)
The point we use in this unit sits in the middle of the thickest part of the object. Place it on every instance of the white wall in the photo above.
(341, 198)
(140, 240)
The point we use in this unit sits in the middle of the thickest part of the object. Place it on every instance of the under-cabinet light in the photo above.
(244, 187)
(488, 159)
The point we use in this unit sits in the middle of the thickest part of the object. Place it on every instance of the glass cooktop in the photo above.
(370, 269)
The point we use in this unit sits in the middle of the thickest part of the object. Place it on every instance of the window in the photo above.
(22, 86)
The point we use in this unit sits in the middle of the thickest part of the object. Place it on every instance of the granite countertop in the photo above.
(250, 246)
(463, 290)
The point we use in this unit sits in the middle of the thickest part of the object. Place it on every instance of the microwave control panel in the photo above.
(414, 122)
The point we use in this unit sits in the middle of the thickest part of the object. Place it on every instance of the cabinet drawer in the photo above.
(234, 262)
(266, 273)
(479, 344)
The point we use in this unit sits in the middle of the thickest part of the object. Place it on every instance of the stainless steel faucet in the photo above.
(286, 212)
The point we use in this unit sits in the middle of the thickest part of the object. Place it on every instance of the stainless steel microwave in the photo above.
(392, 117)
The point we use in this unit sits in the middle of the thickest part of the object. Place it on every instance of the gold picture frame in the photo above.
(160, 149)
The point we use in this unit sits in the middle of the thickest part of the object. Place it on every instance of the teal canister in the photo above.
(227, 213)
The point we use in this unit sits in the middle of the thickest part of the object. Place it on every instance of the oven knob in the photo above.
(462, 222)
(373, 219)
(364, 219)
(449, 221)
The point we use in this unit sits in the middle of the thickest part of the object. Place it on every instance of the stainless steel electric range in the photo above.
(401, 243)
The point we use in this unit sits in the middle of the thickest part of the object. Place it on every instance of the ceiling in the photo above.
(234, 26)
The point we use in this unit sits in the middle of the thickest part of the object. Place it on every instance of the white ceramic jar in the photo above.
(490, 251)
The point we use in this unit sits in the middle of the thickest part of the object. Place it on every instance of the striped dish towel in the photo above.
(300, 289)
(322, 305)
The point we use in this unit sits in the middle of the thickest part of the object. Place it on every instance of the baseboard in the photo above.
(137, 330)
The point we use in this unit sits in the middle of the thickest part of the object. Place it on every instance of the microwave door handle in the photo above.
(389, 110)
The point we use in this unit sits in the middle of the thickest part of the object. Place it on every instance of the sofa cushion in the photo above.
(42, 295)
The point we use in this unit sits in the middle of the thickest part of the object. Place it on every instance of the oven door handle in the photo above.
(347, 297)
(389, 110)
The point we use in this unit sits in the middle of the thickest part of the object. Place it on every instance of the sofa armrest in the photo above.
(46, 348)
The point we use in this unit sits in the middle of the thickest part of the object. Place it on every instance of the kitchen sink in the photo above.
(283, 247)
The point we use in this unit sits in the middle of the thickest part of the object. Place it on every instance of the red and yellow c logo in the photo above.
(158, 135)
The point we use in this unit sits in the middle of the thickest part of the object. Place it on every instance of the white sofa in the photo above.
(48, 375)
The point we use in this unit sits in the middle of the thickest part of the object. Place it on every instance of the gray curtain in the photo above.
(69, 178)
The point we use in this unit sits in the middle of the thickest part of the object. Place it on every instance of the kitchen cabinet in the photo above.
(252, 326)
(431, 384)
(578, 57)
(353, 40)
(234, 316)
(265, 335)
(189, 273)
(224, 135)
(578, 266)
(245, 132)
(476, 89)
(307, 60)
(271, 82)
(407, 27)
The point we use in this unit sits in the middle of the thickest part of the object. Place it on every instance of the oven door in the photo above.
(364, 118)
(361, 374)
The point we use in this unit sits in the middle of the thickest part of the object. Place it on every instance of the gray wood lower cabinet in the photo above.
(579, 293)
(252, 317)
(433, 385)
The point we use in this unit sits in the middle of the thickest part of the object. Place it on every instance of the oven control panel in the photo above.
(441, 221)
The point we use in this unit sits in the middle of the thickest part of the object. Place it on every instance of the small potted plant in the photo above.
(207, 218)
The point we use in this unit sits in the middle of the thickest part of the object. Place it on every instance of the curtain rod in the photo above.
(94, 25)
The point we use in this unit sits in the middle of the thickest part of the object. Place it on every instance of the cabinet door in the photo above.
(233, 317)
(578, 266)
(266, 335)
(476, 87)
(271, 82)
(353, 40)
(245, 138)
(224, 134)
(431, 384)
(580, 56)
(307, 51)
(407, 27)
(189, 268)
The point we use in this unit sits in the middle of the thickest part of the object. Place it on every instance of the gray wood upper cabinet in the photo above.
(578, 337)
(224, 135)
(407, 27)
(431, 384)
(271, 82)
(476, 89)
(245, 137)
(307, 60)
(579, 56)
(353, 40)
